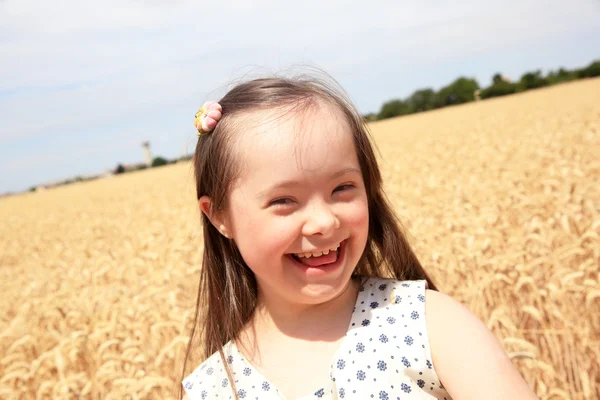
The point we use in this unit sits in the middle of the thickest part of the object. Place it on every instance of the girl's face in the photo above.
(300, 193)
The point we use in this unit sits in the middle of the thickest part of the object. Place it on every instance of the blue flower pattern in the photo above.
(385, 355)
(405, 362)
(360, 375)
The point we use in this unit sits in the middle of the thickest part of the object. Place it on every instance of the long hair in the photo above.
(227, 291)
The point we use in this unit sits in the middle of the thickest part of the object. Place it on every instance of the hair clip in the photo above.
(207, 117)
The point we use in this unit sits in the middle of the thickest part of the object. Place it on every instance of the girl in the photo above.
(308, 288)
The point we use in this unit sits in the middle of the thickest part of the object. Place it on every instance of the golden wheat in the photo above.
(500, 197)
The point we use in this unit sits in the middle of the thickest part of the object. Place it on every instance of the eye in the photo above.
(341, 188)
(283, 201)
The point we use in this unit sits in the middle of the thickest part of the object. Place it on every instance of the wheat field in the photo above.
(500, 198)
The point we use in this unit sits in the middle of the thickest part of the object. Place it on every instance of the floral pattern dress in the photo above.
(384, 356)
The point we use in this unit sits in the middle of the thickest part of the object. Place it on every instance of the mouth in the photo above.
(319, 260)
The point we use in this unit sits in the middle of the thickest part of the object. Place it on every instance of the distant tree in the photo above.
(532, 80)
(141, 166)
(562, 75)
(498, 88)
(120, 169)
(394, 108)
(422, 100)
(590, 71)
(159, 161)
(497, 78)
(460, 91)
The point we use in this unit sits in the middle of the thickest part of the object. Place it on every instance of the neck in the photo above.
(324, 321)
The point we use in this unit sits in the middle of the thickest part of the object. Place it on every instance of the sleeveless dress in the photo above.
(385, 355)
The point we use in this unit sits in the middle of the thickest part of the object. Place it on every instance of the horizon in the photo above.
(85, 84)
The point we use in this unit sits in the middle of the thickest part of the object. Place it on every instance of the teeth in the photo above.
(318, 253)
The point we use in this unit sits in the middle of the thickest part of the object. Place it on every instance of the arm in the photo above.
(467, 357)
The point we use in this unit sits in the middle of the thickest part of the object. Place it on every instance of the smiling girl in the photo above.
(308, 288)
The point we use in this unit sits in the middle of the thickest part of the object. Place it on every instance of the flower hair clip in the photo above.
(207, 117)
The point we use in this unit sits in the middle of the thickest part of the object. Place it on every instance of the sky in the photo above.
(84, 83)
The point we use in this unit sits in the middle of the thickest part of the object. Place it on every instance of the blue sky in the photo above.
(84, 83)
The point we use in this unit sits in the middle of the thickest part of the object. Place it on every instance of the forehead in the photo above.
(294, 145)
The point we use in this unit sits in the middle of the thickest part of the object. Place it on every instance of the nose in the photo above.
(320, 220)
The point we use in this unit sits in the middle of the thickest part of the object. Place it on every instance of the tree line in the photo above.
(464, 90)
(119, 169)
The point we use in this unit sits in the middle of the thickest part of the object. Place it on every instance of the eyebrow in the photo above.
(292, 183)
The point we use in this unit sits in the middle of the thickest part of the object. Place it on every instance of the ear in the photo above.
(216, 218)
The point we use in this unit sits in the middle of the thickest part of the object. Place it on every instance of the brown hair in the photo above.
(227, 291)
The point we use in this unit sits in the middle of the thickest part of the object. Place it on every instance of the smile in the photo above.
(317, 253)
(329, 258)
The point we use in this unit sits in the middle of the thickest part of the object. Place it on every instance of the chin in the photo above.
(322, 292)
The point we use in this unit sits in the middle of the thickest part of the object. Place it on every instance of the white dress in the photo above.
(384, 356)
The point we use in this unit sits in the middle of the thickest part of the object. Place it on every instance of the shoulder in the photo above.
(448, 321)
(442, 310)
(467, 356)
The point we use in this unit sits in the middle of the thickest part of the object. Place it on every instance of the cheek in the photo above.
(357, 215)
(260, 236)
(362, 216)
(360, 229)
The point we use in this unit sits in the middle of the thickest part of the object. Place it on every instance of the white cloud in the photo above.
(51, 44)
